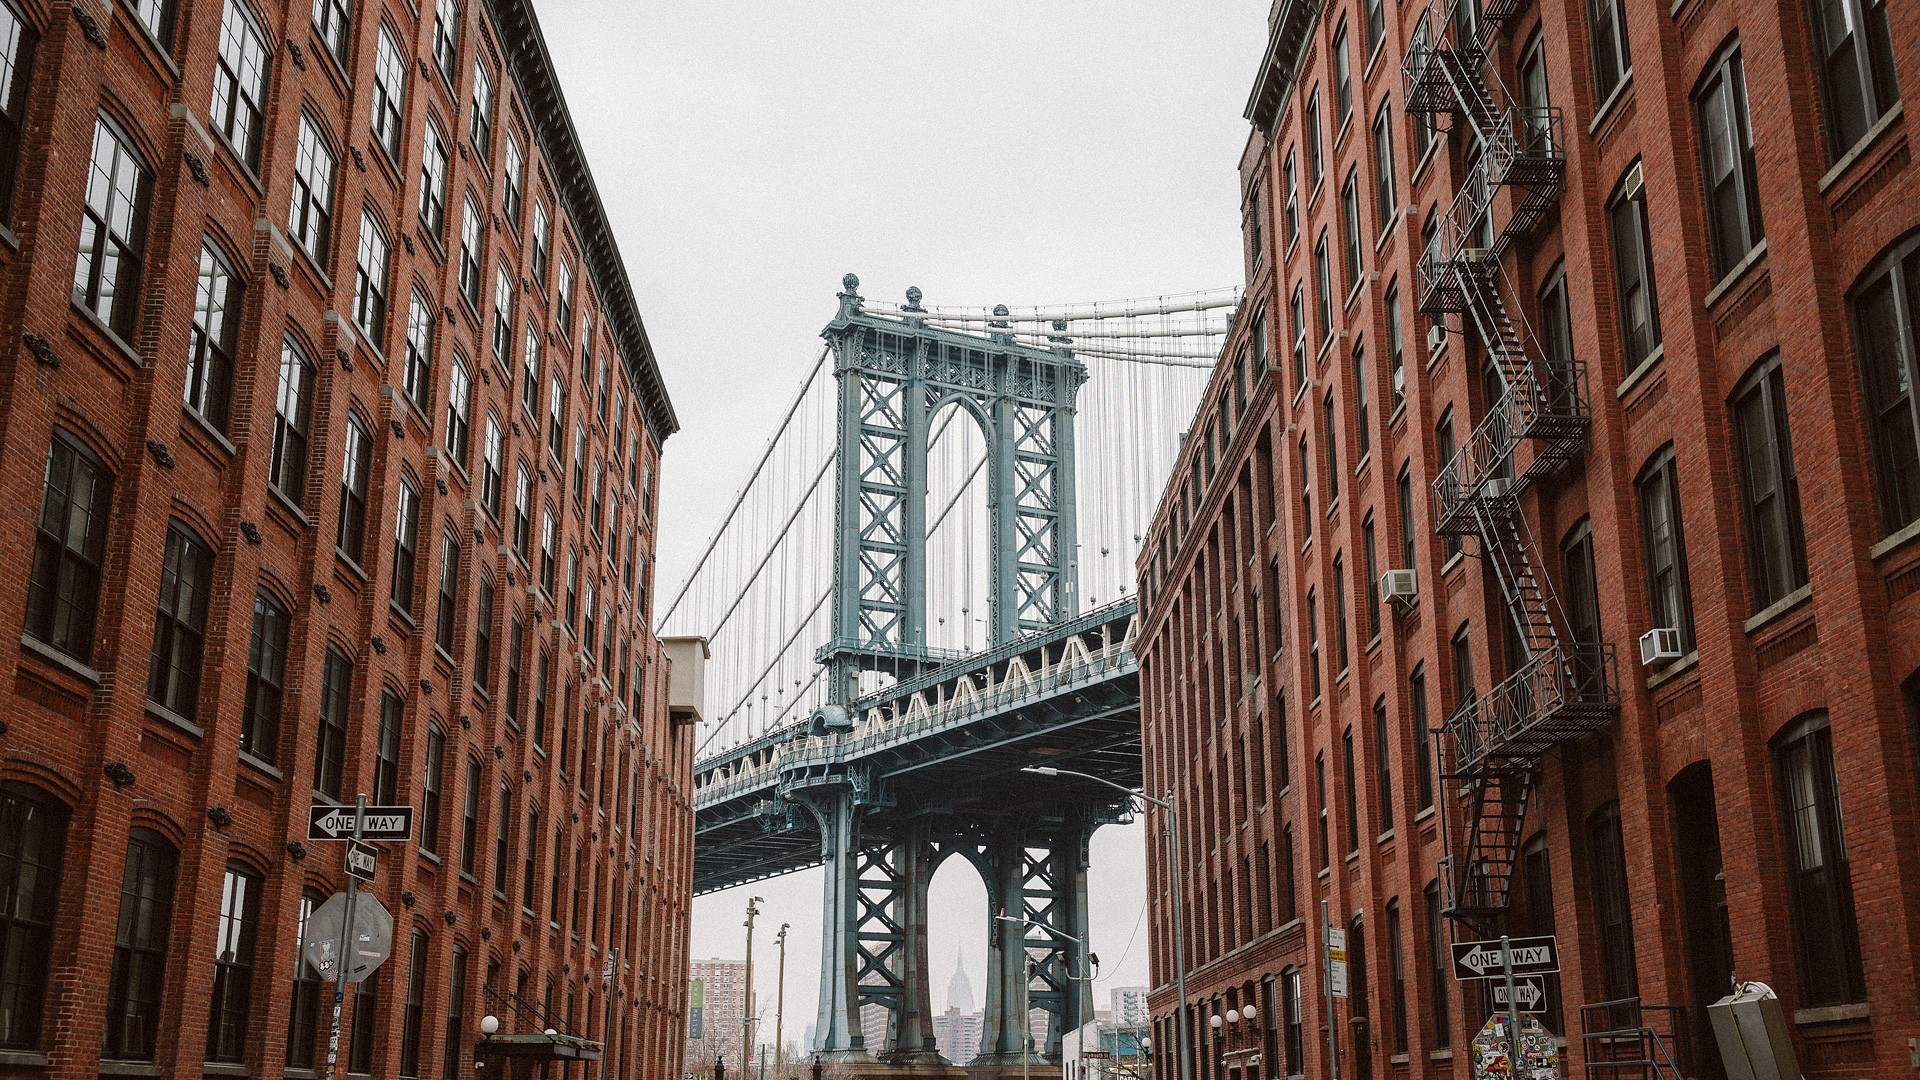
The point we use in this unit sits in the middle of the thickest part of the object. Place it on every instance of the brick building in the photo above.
(329, 388)
(725, 982)
(1590, 367)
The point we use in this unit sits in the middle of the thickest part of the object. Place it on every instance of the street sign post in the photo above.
(1330, 935)
(362, 859)
(374, 823)
(1337, 960)
(1481, 959)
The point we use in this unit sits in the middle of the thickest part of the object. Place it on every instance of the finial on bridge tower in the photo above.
(913, 299)
(1059, 335)
(850, 297)
(1001, 311)
(851, 283)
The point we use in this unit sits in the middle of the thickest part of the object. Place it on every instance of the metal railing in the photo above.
(1564, 692)
(1618, 1040)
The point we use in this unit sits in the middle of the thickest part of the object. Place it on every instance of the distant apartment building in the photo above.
(1129, 1005)
(724, 983)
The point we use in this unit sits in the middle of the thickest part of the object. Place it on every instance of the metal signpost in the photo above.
(1336, 945)
(363, 822)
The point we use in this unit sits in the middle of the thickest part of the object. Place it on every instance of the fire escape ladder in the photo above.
(1481, 883)
(1508, 543)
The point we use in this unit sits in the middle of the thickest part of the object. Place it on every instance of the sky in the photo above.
(749, 154)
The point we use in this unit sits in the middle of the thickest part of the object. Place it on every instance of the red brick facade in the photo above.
(1254, 725)
(189, 764)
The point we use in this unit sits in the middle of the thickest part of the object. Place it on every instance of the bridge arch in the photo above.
(959, 526)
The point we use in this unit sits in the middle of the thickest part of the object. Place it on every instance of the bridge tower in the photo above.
(895, 373)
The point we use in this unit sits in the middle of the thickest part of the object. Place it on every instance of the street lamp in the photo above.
(1026, 988)
(1183, 1038)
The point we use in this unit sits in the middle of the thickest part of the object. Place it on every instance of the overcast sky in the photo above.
(1024, 153)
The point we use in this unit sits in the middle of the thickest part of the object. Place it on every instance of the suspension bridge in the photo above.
(924, 585)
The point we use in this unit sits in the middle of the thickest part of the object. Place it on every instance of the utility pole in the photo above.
(780, 1009)
(746, 1019)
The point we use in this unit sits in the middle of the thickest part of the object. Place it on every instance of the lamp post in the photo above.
(746, 1019)
(780, 1007)
(1183, 1037)
(1026, 1016)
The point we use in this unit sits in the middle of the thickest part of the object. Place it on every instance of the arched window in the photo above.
(135, 989)
(33, 843)
(1821, 878)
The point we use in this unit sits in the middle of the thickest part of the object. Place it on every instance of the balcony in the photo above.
(1563, 693)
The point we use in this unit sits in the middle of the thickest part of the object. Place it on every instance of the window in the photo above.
(492, 455)
(181, 625)
(1423, 746)
(1383, 766)
(1313, 643)
(240, 83)
(1582, 600)
(293, 406)
(472, 234)
(455, 1049)
(470, 817)
(1820, 873)
(530, 373)
(1329, 436)
(33, 843)
(333, 21)
(526, 871)
(1887, 335)
(480, 122)
(113, 230)
(1439, 966)
(1535, 107)
(1349, 752)
(1397, 975)
(1364, 436)
(503, 317)
(234, 939)
(1556, 342)
(356, 463)
(1607, 34)
(1776, 543)
(389, 94)
(69, 547)
(542, 675)
(589, 633)
(406, 524)
(433, 182)
(266, 679)
(549, 551)
(1726, 157)
(542, 237)
(1403, 485)
(573, 588)
(336, 684)
(1316, 164)
(515, 637)
(446, 41)
(1857, 77)
(1443, 439)
(449, 592)
(1323, 281)
(1387, 198)
(415, 1004)
(557, 419)
(417, 377)
(1296, 1036)
(595, 499)
(1350, 215)
(1462, 652)
(1340, 610)
(510, 192)
(1373, 578)
(140, 948)
(310, 213)
(1665, 540)
(1293, 198)
(1633, 271)
(366, 1011)
(563, 299)
(303, 1012)
(1342, 76)
(459, 396)
(1320, 780)
(1612, 907)
(501, 829)
(522, 511)
(1424, 131)
(370, 280)
(386, 749)
(1299, 308)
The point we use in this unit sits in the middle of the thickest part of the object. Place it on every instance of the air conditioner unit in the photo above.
(1496, 488)
(1659, 646)
(1400, 585)
(1436, 338)
(1475, 254)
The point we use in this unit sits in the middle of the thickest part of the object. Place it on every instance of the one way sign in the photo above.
(378, 823)
(1481, 959)
(1530, 991)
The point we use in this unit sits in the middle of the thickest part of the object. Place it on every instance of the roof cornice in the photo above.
(531, 67)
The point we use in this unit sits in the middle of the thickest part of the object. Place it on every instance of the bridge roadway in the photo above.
(925, 769)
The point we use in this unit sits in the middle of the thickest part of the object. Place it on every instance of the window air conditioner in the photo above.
(1436, 338)
(1660, 646)
(1496, 488)
(1475, 254)
(1400, 585)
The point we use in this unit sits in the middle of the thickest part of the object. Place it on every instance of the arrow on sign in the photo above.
(378, 823)
(1481, 959)
(361, 860)
(1529, 992)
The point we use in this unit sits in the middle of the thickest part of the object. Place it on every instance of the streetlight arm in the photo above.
(1049, 770)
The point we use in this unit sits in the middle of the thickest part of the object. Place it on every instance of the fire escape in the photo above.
(1492, 744)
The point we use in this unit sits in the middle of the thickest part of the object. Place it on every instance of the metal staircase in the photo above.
(1493, 743)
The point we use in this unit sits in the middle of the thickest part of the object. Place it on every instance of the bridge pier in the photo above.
(837, 1035)
(912, 1040)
